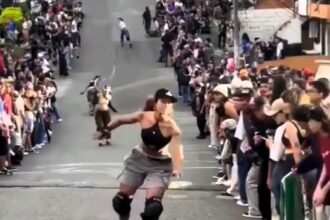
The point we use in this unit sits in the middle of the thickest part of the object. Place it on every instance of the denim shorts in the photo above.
(140, 169)
(29, 124)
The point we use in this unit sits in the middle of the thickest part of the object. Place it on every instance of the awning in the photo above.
(323, 69)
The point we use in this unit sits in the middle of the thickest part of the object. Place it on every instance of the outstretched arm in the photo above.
(125, 120)
(111, 107)
(176, 149)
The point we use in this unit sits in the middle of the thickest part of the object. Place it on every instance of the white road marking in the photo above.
(179, 184)
(74, 166)
(224, 197)
(81, 164)
(177, 196)
(127, 12)
(200, 168)
(140, 83)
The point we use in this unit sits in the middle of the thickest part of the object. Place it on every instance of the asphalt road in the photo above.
(74, 179)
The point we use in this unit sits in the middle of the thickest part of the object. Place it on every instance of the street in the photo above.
(74, 179)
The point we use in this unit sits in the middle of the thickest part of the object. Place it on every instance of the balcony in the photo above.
(319, 11)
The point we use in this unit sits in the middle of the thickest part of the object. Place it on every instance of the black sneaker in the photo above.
(200, 137)
(219, 175)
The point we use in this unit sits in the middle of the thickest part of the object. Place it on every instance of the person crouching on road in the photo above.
(102, 114)
(124, 33)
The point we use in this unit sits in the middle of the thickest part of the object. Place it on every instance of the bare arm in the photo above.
(175, 147)
(125, 120)
(231, 111)
(291, 134)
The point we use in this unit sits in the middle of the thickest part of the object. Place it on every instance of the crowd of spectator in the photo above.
(31, 55)
(269, 128)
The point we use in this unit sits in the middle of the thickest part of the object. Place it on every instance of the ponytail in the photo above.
(149, 104)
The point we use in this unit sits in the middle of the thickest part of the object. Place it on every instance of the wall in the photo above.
(302, 6)
(263, 23)
(272, 4)
(292, 31)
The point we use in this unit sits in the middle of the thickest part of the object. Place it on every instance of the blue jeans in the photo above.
(40, 130)
(185, 92)
(55, 111)
(244, 166)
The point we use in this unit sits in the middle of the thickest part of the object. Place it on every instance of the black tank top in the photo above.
(153, 138)
(301, 138)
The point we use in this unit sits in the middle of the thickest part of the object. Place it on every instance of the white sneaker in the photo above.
(227, 183)
(240, 203)
(37, 146)
(248, 215)
(218, 157)
(218, 182)
(212, 146)
(237, 197)
(59, 120)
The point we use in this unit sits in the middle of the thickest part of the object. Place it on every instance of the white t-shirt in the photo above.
(74, 26)
(122, 25)
(25, 25)
(277, 150)
(241, 135)
(279, 48)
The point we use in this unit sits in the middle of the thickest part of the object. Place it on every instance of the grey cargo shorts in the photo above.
(140, 169)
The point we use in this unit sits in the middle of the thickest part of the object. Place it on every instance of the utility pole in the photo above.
(236, 34)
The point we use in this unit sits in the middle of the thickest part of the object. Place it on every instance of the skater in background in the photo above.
(147, 20)
(124, 33)
(102, 114)
(92, 93)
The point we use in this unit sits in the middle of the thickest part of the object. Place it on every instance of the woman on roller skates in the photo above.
(154, 161)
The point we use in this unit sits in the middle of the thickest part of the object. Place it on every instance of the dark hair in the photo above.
(259, 103)
(321, 87)
(301, 83)
(280, 85)
(291, 96)
(301, 113)
(317, 114)
(149, 104)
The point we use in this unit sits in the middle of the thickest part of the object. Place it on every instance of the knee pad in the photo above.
(122, 204)
(153, 209)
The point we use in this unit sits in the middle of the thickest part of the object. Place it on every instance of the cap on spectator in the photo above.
(229, 124)
(246, 84)
(277, 106)
(198, 40)
(223, 89)
(9, 79)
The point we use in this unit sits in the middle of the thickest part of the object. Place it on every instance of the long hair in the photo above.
(150, 105)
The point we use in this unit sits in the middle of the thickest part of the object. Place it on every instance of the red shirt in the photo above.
(8, 104)
(324, 144)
